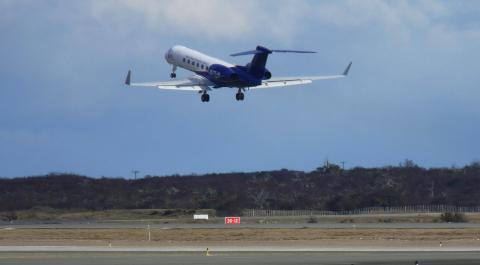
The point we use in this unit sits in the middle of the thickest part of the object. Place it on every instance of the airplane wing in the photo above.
(299, 80)
(193, 83)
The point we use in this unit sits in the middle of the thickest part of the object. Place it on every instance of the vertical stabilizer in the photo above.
(257, 65)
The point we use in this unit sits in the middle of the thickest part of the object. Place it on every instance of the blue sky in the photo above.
(413, 91)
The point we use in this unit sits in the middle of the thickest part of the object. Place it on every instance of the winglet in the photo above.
(127, 80)
(345, 73)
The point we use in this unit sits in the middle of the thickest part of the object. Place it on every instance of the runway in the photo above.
(347, 252)
(235, 249)
(286, 258)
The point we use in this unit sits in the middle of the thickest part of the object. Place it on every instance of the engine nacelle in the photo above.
(267, 75)
(219, 71)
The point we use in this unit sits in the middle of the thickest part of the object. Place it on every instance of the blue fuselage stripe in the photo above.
(244, 79)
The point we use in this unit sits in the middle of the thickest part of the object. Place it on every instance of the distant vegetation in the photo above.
(453, 218)
(326, 188)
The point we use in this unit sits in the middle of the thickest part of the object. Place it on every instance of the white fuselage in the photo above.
(191, 60)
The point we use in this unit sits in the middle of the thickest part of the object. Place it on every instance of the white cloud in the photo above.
(271, 20)
(398, 20)
(211, 19)
(281, 20)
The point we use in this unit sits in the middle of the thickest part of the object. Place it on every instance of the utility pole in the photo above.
(135, 172)
(343, 164)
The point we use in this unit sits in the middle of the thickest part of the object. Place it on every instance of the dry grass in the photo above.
(235, 235)
(50, 214)
(185, 216)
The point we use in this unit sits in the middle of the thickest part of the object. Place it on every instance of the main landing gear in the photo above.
(173, 74)
(239, 96)
(205, 97)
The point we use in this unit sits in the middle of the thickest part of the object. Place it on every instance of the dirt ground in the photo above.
(244, 236)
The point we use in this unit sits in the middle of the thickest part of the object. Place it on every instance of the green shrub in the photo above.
(10, 216)
(453, 217)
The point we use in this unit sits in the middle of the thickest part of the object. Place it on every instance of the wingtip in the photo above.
(127, 80)
(345, 73)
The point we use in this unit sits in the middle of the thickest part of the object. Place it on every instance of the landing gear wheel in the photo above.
(239, 96)
(205, 98)
(173, 74)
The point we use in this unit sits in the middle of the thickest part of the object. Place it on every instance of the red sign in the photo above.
(232, 220)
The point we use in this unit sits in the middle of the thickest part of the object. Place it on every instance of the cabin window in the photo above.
(183, 59)
(188, 61)
(201, 66)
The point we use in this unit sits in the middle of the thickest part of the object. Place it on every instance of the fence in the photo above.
(368, 210)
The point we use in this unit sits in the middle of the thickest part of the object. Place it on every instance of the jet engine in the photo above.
(267, 75)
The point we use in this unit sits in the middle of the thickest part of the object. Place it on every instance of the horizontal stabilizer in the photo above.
(247, 53)
(293, 51)
(264, 50)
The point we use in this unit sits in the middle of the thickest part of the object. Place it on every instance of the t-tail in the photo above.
(257, 66)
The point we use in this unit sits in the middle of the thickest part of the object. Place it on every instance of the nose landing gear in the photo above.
(173, 74)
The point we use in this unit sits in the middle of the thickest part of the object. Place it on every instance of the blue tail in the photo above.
(257, 66)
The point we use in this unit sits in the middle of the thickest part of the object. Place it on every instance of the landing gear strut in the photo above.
(205, 97)
(173, 74)
(239, 96)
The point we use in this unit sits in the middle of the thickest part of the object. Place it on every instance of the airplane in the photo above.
(212, 73)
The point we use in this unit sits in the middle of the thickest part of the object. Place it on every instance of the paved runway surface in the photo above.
(347, 258)
(234, 249)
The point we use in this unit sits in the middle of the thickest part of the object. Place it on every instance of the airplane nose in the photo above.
(167, 55)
